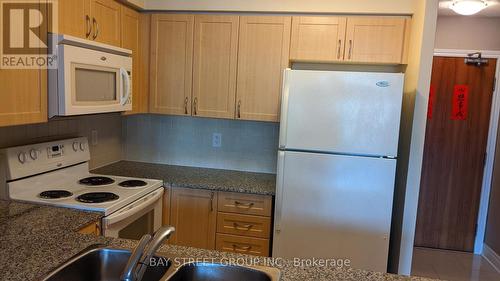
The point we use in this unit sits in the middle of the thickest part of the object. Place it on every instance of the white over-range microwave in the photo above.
(90, 78)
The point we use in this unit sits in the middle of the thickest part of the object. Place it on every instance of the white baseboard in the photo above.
(491, 257)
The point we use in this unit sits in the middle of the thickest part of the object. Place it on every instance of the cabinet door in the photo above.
(144, 57)
(106, 28)
(171, 63)
(318, 39)
(74, 18)
(214, 66)
(130, 40)
(193, 214)
(23, 96)
(263, 55)
(376, 39)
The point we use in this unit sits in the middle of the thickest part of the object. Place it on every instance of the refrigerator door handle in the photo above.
(284, 107)
(279, 191)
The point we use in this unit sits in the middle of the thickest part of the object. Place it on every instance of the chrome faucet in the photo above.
(139, 260)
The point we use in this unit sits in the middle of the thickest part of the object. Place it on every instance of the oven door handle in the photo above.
(126, 212)
(126, 79)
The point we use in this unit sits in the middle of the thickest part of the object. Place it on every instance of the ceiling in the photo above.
(493, 10)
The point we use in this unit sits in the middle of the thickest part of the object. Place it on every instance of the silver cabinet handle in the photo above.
(195, 106)
(350, 49)
(95, 24)
(338, 52)
(212, 194)
(186, 106)
(246, 227)
(239, 109)
(238, 204)
(242, 248)
(89, 26)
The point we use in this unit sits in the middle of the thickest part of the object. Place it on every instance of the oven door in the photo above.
(92, 81)
(143, 216)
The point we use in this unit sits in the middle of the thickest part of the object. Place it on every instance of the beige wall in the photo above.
(108, 126)
(493, 223)
(468, 33)
(413, 123)
(306, 6)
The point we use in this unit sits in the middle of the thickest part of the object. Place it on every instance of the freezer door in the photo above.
(335, 207)
(341, 112)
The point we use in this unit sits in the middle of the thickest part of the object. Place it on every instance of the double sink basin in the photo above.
(99, 263)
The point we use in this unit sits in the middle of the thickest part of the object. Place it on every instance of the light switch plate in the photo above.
(216, 140)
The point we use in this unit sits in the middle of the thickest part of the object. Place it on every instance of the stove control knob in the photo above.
(33, 154)
(75, 146)
(82, 146)
(22, 157)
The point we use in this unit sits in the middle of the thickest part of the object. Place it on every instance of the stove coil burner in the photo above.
(96, 181)
(133, 183)
(97, 197)
(55, 194)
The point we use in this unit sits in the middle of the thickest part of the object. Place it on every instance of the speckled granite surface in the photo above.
(34, 240)
(202, 178)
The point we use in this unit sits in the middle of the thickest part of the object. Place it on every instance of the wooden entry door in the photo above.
(454, 154)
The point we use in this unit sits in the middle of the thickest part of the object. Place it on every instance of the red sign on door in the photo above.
(432, 96)
(460, 102)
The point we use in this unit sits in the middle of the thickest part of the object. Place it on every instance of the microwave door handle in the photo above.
(123, 214)
(126, 79)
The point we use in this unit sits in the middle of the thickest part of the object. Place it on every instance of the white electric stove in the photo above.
(57, 173)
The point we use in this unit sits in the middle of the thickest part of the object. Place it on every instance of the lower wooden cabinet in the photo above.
(208, 220)
(91, 229)
(242, 245)
(193, 213)
(245, 225)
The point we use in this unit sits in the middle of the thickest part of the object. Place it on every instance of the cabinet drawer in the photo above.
(248, 204)
(243, 225)
(242, 245)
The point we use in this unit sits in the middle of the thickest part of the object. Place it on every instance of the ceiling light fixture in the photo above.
(468, 7)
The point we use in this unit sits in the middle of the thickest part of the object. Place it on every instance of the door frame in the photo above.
(490, 146)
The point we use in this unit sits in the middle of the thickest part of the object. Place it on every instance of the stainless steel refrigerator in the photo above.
(336, 166)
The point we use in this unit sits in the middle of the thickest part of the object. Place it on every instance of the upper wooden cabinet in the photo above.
(23, 96)
(144, 60)
(106, 26)
(376, 39)
(98, 20)
(74, 18)
(318, 38)
(193, 213)
(135, 37)
(171, 63)
(214, 65)
(263, 54)
(352, 39)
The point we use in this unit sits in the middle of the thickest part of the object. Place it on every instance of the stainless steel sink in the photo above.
(98, 263)
(220, 272)
(101, 264)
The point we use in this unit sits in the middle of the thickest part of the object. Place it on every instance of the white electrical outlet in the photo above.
(216, 140)
(94, 138)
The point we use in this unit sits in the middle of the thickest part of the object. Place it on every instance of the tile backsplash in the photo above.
(187, 141)
(108, 127)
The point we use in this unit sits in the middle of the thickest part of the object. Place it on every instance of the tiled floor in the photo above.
(453, 266)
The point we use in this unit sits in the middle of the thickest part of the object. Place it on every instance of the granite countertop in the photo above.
(191, 177)
(36, 239)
